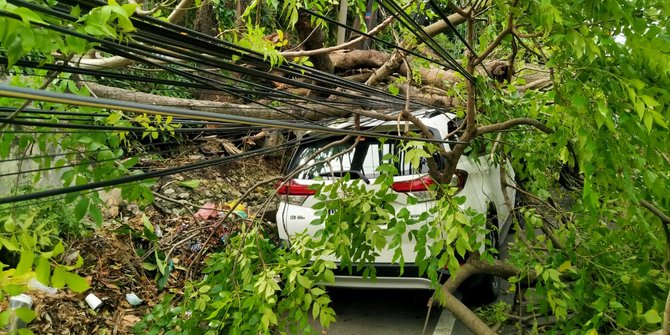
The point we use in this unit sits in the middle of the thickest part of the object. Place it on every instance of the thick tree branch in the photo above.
(513, 123)
(397, 56)
(290, 112)
(179, 11)
(465, 315)
(492, 46)
(656, 211)
(665, 219)
(311, 112)
(118, 61)
(475, 266)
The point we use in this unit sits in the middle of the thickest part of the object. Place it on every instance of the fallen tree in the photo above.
(600, 106)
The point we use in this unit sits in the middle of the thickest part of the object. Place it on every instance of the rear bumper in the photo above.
(388, 277)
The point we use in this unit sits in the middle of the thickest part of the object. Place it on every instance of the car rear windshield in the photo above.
(364, 158)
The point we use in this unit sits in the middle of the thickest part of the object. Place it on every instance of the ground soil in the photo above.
(119, 258)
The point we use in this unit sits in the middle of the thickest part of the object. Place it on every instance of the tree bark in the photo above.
(474, 266)
(395, 61)
(310, 112)
(312, 39)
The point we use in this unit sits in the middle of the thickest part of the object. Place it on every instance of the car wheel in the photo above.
(484, 289)
(518, 203)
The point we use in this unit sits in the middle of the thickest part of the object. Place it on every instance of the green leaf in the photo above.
(58, 249)
(652, 316)
(8, 244)
(58, 277)
(27, 315)
(96, 214)
(81, 208)
(4, 318)
(315, 310)
(564, 266)
(149, 266)
(393, 89)
(10, 224)
(192, 184)
(43, 270)
(329, 276)
(28, 15)
(75, 282)
(25, 262)
(304, 281)
(113, 118)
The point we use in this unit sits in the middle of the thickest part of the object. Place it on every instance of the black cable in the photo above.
(4, 109)
(60, 29)
(53, 199)
(437, 9)
(239, 51)
(128, 55)
(26, 93)
(418, 31)
(147, 175)
(82, 163)
(115, 128)
(186, 34)
(389, 44)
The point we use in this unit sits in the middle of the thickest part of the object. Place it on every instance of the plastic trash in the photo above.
(133, 299)
(93, 301)
(16, 302)
(158, 231)
(195, 247)
(35, 284)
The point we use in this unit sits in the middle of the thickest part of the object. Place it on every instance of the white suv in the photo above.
(478, 179)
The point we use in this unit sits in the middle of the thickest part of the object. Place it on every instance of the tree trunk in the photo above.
(310, 112)
(342, 19)
(206, 23)
(397, 56)
(312, 38)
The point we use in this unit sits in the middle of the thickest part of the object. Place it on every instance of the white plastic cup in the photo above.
(93, 301)
(16, 302)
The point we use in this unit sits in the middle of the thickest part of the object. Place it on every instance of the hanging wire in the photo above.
(27, 93)
(150, 174)
(387, 43)
(418, 31)
(438, 10)
(185, 34)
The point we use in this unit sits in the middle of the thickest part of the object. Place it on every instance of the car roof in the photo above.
(430, 117)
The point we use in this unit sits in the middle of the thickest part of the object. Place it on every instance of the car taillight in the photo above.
(418, 188)
(295, 193)
(414, 185)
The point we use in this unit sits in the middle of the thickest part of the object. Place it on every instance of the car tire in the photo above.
(518, 203)
(484, 289)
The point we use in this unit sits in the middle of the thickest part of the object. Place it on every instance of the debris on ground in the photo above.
(141, 254)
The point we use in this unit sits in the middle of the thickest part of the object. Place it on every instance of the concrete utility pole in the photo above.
(342, 19)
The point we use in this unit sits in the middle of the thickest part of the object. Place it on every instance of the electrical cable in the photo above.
(27, 93)
(389, 44)
(115, 128)
(93, 39)
(185, 34)
(82, 163)
(418, 31)
(147, 175)
(438, 10)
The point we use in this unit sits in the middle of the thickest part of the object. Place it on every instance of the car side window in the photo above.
(365, 158)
